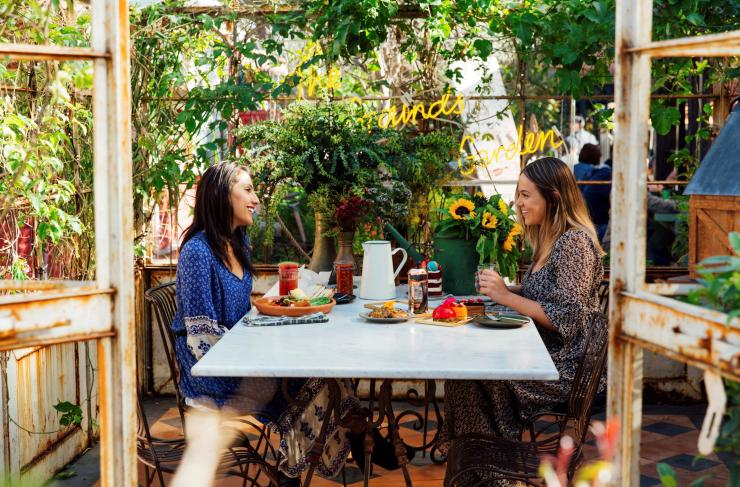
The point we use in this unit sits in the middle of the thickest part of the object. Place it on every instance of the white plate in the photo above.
(367, 317)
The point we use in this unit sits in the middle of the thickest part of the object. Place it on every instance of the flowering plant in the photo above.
(598, 473)
(349, 210)
(492, 223)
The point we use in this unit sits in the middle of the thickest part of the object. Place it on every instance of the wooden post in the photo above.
(632, 97)
(114, 241)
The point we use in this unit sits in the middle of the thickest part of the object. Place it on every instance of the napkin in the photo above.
(308, 278)
(284, 320)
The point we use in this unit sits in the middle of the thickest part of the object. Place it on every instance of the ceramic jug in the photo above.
(378, 276)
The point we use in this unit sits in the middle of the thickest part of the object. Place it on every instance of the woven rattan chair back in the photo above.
(603, 293)
(588, 378)
(164, 306)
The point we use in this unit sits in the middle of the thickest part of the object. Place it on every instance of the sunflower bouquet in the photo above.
(492, 222)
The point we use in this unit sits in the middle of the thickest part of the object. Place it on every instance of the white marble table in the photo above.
(348, 346)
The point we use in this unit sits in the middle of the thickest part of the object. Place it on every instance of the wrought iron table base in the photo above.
(375, 418)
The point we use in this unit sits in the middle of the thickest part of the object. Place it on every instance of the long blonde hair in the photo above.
(565, 206)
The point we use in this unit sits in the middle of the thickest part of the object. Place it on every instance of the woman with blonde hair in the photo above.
(558, 291)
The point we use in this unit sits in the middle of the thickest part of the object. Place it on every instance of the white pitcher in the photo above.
(378, 276)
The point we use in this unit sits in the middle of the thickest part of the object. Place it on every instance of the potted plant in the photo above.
(326, 148)
(476, 230)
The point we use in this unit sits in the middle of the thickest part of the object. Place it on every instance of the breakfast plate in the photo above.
(501, 321)
(268, 306)
(395, 319)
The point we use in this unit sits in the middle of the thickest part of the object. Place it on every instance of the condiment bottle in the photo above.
(418, 298)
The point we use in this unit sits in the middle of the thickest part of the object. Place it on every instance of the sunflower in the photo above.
(479, 199)
(516, 229)
(489, 220)
(509, 243)
(462, 209)
(503, 207)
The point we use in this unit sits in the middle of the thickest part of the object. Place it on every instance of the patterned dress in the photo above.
(566, 288)
(210, 301)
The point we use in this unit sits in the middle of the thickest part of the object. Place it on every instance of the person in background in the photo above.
(579, 136)
(597, 195)
(588, 158)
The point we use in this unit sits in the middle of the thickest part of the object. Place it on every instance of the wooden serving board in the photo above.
(452, 324)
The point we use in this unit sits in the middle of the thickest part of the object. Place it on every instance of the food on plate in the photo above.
(475, 306)
(388, 310)
(446, 311)
(298, 298)
(460, 310)
(450, 311)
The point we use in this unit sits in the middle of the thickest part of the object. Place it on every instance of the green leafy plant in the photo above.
(323, 147)
(71, 413)
(720, 282)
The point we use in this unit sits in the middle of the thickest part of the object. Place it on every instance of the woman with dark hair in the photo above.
(214, 276)
(213, 288)
(558, 291)
(588, 158)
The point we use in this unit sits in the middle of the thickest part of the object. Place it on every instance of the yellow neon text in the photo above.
(533, 143)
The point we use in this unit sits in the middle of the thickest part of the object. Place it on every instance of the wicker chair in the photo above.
(163, 455)
(603, 293)
(473, 454)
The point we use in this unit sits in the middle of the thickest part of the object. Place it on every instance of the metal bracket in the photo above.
(715, 411)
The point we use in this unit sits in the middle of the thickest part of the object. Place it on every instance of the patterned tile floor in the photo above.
(669, 435)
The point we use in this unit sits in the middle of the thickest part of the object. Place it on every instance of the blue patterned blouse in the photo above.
(210, 300)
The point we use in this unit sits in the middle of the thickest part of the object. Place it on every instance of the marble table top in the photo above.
(348, 346)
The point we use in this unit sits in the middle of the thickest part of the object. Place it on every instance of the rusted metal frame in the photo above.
(711, 45)
(53, 319)
(629, 208)
(467, 97)
(698, 334)
(59, 441)
(667, 289)
(114, 240)
(34, 52)
(11, 434)
(10, 303)
(45, 342)
(51, 285)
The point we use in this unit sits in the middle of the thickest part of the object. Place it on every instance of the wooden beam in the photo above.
(725, 44)
(33, 52)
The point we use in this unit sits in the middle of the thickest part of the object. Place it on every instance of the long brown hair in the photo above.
(214, 213)
(565, 207)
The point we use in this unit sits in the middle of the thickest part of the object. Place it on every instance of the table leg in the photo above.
(422, 422)
(386, 400)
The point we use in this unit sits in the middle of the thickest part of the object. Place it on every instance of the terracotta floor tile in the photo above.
(655, 447)
(685, 477)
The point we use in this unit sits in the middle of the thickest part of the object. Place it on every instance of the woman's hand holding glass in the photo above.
(493, 285)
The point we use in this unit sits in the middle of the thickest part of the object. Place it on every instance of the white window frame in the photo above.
(101, 310)
(642, 315)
